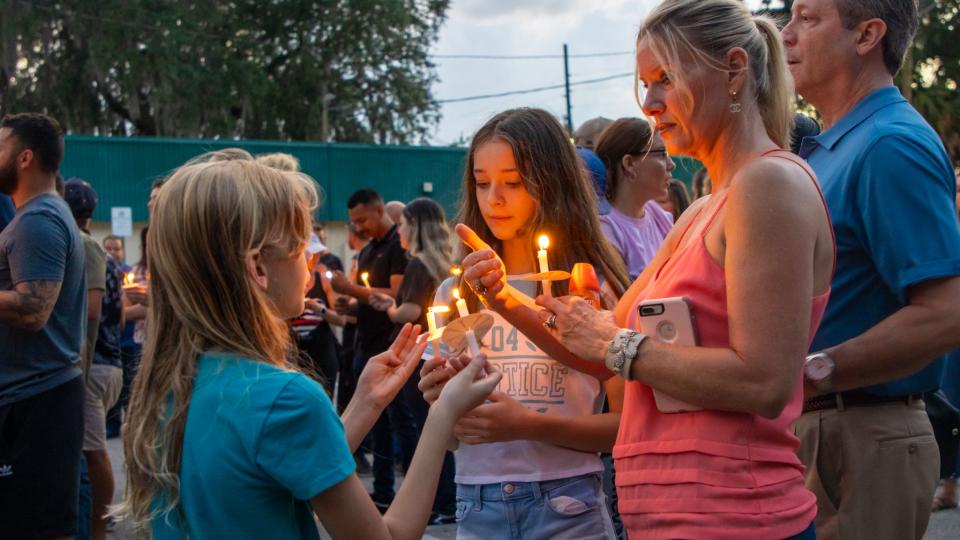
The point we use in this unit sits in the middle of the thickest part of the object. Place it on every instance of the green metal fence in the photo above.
(122, 169)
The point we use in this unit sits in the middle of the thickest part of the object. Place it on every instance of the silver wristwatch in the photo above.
(623, 350)
(818, 369)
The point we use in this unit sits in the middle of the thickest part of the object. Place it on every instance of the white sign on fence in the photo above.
(121, 221)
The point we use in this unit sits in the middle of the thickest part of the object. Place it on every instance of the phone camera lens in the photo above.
(667, 331)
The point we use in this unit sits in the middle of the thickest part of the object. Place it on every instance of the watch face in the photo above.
(818, 368)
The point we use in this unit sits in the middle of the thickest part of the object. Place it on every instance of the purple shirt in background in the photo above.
(637, 240)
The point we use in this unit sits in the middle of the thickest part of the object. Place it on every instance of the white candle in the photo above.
(472, 342)
(461, 304)
(365, 277)
(463, 311)
(431, 321)
(544, 243)
(432, 327)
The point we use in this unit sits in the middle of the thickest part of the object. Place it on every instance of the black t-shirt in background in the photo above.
(418, 287)
(381, 259)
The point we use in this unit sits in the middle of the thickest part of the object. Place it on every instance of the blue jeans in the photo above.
(564, 508)
(130, 359)
(610, 491)
(810, 533)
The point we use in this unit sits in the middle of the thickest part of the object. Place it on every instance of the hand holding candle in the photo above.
(135, 292)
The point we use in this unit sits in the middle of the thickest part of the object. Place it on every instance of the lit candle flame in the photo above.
(456, 271)
(130, 279)
(365, 277)
(456, 293)
(543, 241)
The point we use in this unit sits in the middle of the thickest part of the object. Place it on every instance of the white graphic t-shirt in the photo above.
(538, 382)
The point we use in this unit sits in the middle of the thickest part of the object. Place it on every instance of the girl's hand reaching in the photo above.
(468, 388)
(437, 371)
(385, 374)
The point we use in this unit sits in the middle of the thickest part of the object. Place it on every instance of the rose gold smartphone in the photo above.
(669, 320)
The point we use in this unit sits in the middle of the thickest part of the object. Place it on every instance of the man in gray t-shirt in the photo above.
(42, 245)
(42, 319)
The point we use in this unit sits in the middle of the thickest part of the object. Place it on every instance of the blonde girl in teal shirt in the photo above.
(226, 437)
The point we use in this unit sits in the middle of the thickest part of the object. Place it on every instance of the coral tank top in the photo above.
(709, 474)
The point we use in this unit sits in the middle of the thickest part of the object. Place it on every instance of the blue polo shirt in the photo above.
(891, 192)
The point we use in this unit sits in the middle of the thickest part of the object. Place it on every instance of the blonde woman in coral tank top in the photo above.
(754, 262)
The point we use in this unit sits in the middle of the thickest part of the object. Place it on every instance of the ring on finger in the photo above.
(551, 323)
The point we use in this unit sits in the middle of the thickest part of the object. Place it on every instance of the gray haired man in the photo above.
(866, 441)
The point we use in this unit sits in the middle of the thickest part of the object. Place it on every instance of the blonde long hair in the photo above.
(429, 236)
(207, 219)
(703, 31)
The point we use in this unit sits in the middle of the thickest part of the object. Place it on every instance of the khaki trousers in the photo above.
(873, 469)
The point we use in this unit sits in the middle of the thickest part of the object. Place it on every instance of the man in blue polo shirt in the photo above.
(866, 442)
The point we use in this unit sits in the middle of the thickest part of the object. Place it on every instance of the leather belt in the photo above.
(854, 398)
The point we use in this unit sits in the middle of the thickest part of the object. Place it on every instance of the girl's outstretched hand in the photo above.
(433, 375)
(386, 373)
(468, 388)
(437, 371)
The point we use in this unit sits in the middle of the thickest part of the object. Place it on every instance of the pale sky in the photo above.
(535, 27)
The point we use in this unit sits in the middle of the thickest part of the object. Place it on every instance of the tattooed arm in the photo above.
(29, 305)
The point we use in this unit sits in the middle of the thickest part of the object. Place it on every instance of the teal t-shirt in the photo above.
(260, 442)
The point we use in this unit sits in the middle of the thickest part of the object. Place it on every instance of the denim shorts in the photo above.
(564, 508)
